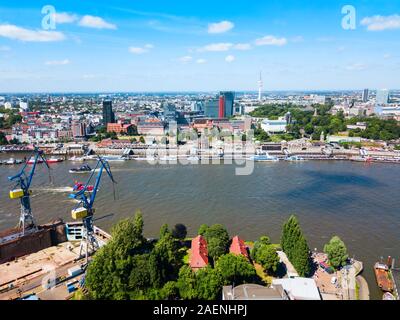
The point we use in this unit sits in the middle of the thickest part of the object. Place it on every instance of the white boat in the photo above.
(262, 156)
(150, 159)
(295, 158)
(193, 159)
(114, 159)
(169, 158)
(11, 161)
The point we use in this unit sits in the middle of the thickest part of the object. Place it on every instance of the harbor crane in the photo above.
(21, 190)
(84, 210)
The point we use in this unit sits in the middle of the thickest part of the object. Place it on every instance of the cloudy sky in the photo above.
(176, 45)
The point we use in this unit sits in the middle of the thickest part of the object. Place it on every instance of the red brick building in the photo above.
(198, 254)
(238, 247)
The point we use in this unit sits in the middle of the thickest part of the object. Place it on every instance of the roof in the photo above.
(198, 253)
(253, 292)
(299, 288)
(238, 247)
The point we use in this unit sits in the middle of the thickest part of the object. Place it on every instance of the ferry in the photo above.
(12, 161)
(263, 157)
(383, 277)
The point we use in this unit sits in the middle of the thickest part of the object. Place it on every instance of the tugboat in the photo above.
(83, 169)
(383, 278)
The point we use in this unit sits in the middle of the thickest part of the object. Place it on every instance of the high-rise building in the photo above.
(211, 108)
(226, 102)
(260, 88)
(382, 97)
(108, 114)
(169, 112)
(365, 95)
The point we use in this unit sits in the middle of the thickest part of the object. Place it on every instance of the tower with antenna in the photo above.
(260, 87)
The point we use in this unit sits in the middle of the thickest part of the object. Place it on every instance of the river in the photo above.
(356, 201)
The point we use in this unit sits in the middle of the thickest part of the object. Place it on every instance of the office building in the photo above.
(226, 102)
(211, 108)
(382, 97)
(78, 129)
(108, 113)
(169, 112)
(365, 95)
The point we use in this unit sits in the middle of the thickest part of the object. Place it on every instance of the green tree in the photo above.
(295, 246)
(217, 241)
(202, 230)
(3, 139)
(209, 284)
(186, 283)
(235, 269)
(337, 252)
(141, 140)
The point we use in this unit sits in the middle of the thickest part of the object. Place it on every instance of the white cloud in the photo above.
(297, 39)
(220, 27)
(217, 47)
(242, 46)
(5, 48)
(64, 17)
(380, 23)
(230, 58)
(201, 61)
(14, 32)
(57, 62)
(185, 59)
(356, 67)
(387, 56)
(271, 41)
(96, 22)
(141, 50)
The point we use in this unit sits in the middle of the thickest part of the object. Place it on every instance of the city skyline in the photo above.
(129, 47)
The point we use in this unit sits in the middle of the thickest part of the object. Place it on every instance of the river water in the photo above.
(358, 202)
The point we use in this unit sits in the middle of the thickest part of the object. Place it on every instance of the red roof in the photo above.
(198, 253)
(238, 247)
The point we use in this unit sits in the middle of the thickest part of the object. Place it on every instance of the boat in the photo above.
(114, 159)
(79, 186)
(169, 158)
(294, 158)
(83, 169)
(193, 159)
(388, 296)
(12, 161)
(54, 160)
(32, 160)
(262, 156)
(383, 277)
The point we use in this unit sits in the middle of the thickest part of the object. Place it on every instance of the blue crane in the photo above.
(85, 211)
(21, 190)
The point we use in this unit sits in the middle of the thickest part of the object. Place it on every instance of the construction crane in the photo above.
(84, 210)
(21, 190)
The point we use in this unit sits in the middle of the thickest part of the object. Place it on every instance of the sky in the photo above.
(158, 45)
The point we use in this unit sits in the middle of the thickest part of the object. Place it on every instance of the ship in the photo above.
(383, 277)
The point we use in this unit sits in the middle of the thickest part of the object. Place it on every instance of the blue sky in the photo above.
(150, 45)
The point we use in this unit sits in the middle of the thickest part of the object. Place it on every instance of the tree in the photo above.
(164, 230)
(265, 254)
(217, 241)
(3, 139)
(295, 246)
(186, 283)
(179, 231)
(141, 140)
(208, 284)
(337, 252)
(235, 269)
(202, 230)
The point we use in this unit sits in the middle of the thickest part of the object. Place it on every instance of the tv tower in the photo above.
(260, 87)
